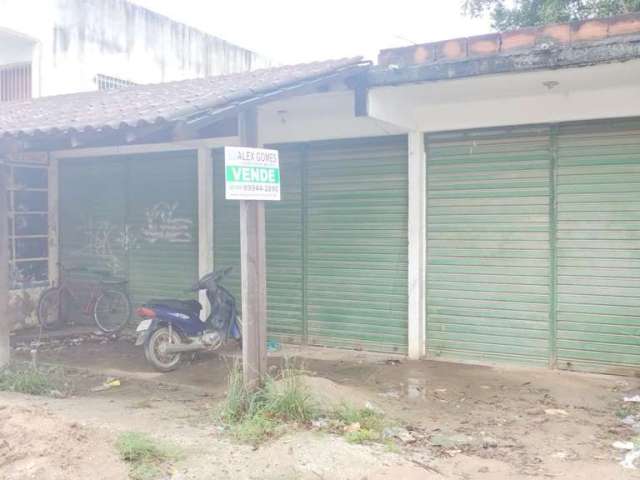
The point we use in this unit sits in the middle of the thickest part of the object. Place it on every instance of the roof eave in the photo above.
(541, 58)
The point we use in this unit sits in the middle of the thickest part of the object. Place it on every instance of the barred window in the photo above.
(28, 225)
(15, 82)
(105, 82)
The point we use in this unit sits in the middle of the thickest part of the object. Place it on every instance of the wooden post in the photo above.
(4, 269)
(253, 270)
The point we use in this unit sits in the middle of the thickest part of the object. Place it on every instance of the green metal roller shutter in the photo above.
(226, 228)
(93, 214)
(599, 246)
(163, 223)
(92, 203)
(488, 246)
(356, 244)
(284, 245)
(285, 252)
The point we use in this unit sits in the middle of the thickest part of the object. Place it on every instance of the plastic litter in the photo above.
(273, 345)
(556, 412)
(623, 445)
(630, 459)
(107, 385)
(632, 399)
(354, 427)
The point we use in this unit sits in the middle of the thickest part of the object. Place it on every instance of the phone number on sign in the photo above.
(255, 188)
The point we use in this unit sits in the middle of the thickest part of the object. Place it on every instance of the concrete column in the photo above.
(205, 221)
(417, 244)
(4, 269)
(54, 224)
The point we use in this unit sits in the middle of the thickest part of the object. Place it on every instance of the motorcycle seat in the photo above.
(186, 306)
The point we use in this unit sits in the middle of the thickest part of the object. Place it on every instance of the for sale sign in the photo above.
(251, 174)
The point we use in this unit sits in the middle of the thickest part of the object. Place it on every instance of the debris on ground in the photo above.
(630, 459)
(556, 412)
(352, 428)
(450, 441)
(632, 421)
(107, 385)
(623, 445)
(398, 433)
(273, 345)
(393, 362)
(48, 343)
(632, 399)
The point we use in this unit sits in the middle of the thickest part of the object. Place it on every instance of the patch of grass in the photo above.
(25, 378)
(370, 423)
(363, 436)
(254, 416)
(626, 410)
(147, 458)
(284, 401)
(146, 471)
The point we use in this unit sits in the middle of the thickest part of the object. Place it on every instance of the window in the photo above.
(15, 82)
(28, 225)
(106, 82)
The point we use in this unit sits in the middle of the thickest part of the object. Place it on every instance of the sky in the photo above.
(289, 31)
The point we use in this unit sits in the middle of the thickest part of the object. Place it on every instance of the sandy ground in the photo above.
(466, 422)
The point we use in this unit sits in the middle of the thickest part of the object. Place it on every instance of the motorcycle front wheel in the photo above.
(154, 349)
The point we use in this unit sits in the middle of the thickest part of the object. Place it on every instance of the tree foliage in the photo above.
(510, 14)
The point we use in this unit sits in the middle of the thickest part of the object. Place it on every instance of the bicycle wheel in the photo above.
(112, 311)
(53, 308)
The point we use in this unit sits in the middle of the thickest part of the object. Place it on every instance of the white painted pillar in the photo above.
(417, 244)
(205, 220)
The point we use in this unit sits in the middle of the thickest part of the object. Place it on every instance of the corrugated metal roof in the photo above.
(148, 104)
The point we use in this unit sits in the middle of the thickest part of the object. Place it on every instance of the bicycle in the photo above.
(108, 304)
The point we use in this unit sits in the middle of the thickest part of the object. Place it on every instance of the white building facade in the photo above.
(67, 46)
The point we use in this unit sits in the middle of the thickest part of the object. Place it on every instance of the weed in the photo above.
(368, 418)
(254, 416)
(255, 429)
(363, 435)
(370, 423)
(25, 378)
(146, 471)
(625, 411)
(391, 446)
(147, 457)
(288, 399)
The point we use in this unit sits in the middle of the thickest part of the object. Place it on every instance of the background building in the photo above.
(66, 46)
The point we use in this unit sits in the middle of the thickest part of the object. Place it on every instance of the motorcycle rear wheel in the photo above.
(153, 350)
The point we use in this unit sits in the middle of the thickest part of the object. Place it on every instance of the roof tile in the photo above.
(154, 103)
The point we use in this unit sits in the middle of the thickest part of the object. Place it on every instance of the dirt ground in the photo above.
(464, 422)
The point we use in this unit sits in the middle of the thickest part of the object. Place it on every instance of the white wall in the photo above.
(78, 39)
(322, 116)
(576, 94)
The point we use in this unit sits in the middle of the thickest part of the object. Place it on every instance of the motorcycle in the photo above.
(170, 328)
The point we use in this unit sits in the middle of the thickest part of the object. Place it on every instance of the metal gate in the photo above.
(284, 245)
(356, 244)
(336, 244)
(599, 246)
(488, 248)
(534, 246)
(162, 223)
(134, 216)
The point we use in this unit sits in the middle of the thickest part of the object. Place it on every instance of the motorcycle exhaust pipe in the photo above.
(183, 347)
